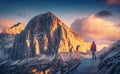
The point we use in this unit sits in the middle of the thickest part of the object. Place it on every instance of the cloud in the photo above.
(113, 2)
(104, 13)
(5, 23)
(0, 30)
(96, 28)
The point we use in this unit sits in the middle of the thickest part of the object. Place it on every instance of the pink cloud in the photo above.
(5, 23)
(113, 2)
(96, 28)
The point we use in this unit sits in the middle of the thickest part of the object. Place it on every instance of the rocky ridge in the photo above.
(110, 60)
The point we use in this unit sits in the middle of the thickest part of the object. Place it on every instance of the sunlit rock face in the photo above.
(16, 29)
(7, 38)
(46, 34)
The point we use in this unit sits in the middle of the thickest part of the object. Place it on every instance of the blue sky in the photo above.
(67, 10)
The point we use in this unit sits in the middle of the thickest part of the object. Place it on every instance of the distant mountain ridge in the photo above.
(7, 38)
(15, 29)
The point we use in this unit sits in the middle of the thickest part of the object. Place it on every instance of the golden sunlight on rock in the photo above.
(16, 29)
(54, 27)
(36, 43)
(27, 41)
(88, 46)
(35, 71)
(72, 42)
(45, 43)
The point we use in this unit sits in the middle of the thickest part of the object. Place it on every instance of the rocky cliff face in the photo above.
(110, 60)
(46, 34)
(7, 38)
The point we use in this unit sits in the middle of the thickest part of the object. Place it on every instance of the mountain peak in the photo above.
(43, 21)
(49, 13)
(47, 34)
(15, 29)
(16, 25)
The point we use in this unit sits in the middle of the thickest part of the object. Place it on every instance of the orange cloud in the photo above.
(0, 30)
(5, 23)
(96, 28)
(113, 2)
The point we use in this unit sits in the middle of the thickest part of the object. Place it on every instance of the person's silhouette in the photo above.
(93, 50)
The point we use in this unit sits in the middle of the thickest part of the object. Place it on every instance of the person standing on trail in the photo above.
(93, 50)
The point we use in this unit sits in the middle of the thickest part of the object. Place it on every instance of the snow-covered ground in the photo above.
(87, 66)
(109, 62)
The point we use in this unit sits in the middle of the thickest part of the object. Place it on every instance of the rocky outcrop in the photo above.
(46, 34)
(16, 29)
(110, 60)
(27, 66)
(7, 38)
(38, 65)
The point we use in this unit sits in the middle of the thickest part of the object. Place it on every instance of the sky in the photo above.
(82, 12)
(67, 10)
